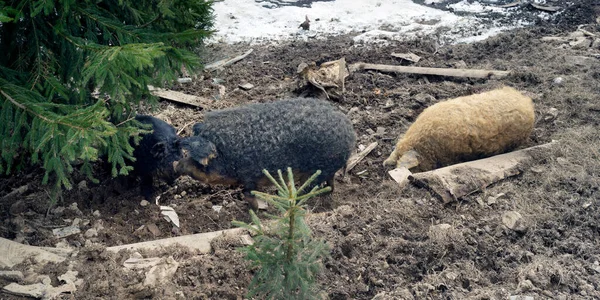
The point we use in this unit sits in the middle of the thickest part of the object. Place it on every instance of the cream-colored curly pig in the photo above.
(465, 128)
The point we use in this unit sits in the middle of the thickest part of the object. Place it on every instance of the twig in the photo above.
(17, 191)
(474, 73)
(225, 62)
(184, 127)
(355, 159)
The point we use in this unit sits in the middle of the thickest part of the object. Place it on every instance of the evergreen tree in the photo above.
(286, 257)
(73, 71)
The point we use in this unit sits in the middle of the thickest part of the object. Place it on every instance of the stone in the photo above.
(246, 86)
(514, 221)
(90, 233)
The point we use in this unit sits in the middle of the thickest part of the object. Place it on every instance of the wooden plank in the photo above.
(473, 73)
(180, 97)
(453, 182)
(200, 241)
(355, 159)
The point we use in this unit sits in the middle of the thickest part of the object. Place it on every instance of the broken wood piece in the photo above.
(585, 32)
(355, 159)
(512, 4)
(473, 73)
(453, 182)
(400, 175)
(226, 62)
(18, 191)
(329, 77)
(179, 97)
(545, 8)
(14, 253)
(200, 241)
(184, 80)
(407, 56)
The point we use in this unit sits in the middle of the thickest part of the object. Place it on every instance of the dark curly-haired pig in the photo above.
(465, 128)
(233, 146)
(155, 154)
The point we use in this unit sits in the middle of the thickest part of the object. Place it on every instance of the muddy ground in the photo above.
(382, 238)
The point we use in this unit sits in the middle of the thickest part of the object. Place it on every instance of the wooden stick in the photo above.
(474, 73)
(199, 241)
(180, 97)
(355, 159)
(225, 62)
(453, 182)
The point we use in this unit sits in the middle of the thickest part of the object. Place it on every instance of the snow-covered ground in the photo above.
(372, 20)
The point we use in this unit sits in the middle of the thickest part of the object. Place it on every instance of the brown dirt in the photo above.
(382, 240)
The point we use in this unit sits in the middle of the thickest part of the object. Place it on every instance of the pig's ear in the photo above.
(197, 128)
(409, 160)
(159, 149)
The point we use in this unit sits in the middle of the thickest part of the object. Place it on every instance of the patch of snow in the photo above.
(477, 7)
(373, 21)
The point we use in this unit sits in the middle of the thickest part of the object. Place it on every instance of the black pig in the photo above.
(155, 154)
(233, 146)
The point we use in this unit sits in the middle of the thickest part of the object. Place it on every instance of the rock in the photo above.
(153, 229)
(76, 222)
(423, 98)
(525, 285)
(59, 210)
(493, 199)
(179, 295)
(596, 43)
(162, 272)
(82, 185)
(246, 86)
(96, 213)
(65, 231)
(217, 208)
(75, 209)
(562, 161)
(144, 203)
(558, 81)
(551, 114)
(380, 131)
(12, 275)
(461, 64)
(90, 233)
(370, 132)
(513, 220)
(451, 275)
(184, 80)
(519, 297)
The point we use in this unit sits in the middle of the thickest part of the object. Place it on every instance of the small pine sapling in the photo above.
(286, 257)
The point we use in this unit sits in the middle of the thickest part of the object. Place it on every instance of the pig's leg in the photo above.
(248, 197)
(146, 187)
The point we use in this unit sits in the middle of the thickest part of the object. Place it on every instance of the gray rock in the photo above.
(514, 221)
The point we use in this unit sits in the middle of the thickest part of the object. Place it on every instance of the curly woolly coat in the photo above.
(234, 145)
(465, 128)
